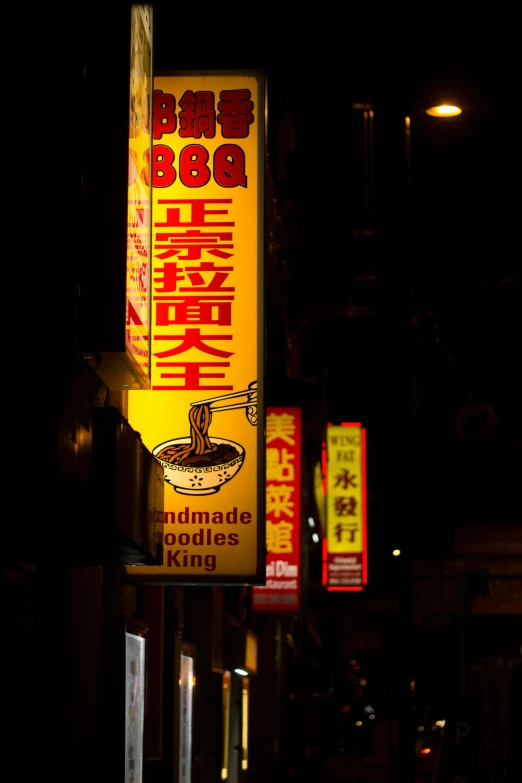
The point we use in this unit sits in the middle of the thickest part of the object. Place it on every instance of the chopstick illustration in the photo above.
(248, 404)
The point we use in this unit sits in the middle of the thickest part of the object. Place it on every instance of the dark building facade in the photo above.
(369, 317)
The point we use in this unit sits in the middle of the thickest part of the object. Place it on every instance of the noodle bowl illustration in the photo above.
(200, 480)
(199, 464)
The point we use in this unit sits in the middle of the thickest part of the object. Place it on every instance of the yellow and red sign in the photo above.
(203, 417)
(139, 193)
(345, 552)
(283, 511)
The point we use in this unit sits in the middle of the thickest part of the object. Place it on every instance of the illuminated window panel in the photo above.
(244, 724)
(227, 680)
(186, 699)
(134, 706)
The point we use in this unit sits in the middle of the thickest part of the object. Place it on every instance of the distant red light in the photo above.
(356, 668)
(425, 751)
(345, 708)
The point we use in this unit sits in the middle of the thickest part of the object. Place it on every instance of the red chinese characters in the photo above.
(193, 295)
(194, 117)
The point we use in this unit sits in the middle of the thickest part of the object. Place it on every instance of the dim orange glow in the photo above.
(425, 751)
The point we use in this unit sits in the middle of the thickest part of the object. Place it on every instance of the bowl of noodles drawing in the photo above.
(198, 464)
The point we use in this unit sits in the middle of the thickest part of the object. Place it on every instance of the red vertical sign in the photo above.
(283, 512)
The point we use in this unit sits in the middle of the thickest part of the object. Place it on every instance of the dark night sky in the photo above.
(465, 256)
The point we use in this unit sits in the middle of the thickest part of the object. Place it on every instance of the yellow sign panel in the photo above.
(203, 417)
(345, 565)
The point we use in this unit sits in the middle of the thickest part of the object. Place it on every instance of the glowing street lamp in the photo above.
(444, 110)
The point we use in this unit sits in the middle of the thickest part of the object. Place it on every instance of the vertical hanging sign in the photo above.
(203, 418)
(139, 192)
(283, 511)
(345, 547)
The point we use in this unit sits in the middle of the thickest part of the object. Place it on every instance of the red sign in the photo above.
(283, 513)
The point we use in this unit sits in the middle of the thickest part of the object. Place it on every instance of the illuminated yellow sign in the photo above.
(345, 561)
(203, 417)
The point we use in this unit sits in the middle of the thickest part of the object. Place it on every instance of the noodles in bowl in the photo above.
(198, 464)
